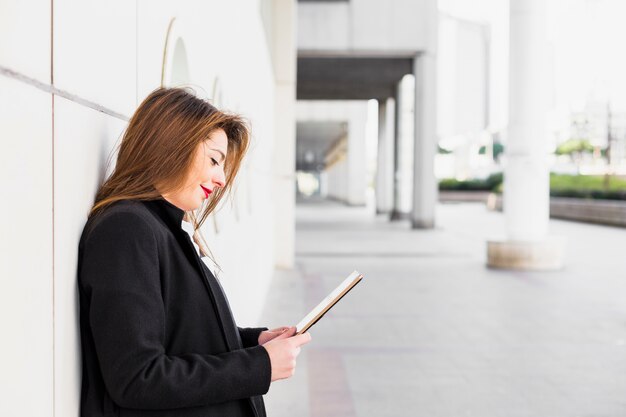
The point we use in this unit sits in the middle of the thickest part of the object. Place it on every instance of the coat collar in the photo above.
(168, 212)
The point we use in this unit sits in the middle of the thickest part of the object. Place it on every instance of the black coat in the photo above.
(157, 333)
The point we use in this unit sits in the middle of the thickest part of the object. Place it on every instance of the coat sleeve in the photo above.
(250, 335)
(119, 274)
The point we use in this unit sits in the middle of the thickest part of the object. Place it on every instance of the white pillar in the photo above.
(526, 195)
(526, 199)
(403, 150)
(284, 56)
(357, 155)
(385, 165)
(425, 142)
(324, 184)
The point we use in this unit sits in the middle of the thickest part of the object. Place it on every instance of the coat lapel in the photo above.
(173, 216)
(229, 328)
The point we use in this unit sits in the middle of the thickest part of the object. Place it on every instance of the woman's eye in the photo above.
(214, 162)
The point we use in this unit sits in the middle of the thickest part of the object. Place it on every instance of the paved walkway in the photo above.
(432, 332)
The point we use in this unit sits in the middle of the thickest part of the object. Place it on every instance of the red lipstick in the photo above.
(206, 191)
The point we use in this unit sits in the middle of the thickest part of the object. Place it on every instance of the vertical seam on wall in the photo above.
(53, 277)
(53, 252)
(136, 53)
(51, 42)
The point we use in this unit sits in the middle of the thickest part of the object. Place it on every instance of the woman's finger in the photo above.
(280, 329)
(301, 339)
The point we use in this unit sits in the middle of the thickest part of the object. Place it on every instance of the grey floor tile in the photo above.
(433, 332)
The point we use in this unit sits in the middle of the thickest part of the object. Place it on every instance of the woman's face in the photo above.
(205, 175)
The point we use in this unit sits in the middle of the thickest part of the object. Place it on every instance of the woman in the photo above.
(158, 337)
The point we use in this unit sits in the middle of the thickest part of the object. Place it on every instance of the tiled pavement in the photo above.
(432, 332)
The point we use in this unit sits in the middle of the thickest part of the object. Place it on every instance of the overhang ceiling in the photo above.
(350, 78)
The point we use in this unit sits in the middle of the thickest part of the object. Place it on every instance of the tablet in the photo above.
(328, 302)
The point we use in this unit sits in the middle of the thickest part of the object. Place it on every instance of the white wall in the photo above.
(284, 54)
(26, 255)
(68, 81)
(456, 19)
(364, 25)
(26, 250)
(462, 82)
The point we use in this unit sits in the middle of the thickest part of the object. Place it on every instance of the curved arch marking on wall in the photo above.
(241, 193)
(175, 66)
(175, 72)
(218, 100)
(217, 95)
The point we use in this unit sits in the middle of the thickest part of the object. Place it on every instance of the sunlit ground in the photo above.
(432, 332)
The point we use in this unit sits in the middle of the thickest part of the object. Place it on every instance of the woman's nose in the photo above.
(219, 179)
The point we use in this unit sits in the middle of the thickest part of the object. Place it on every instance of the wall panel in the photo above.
(25, 26)
(95, 51)
(25, 250)
(83, 140)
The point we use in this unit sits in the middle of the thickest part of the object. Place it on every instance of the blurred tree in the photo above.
(574, 147)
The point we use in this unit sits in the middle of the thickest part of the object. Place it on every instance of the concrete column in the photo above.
(385, 164)
(357, 156)
(324, 184)
(403, 151)
(284, 57)
(425, 147)
(526, 174)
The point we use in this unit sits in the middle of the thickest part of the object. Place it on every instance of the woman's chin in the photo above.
(193, 205)
(199, 203)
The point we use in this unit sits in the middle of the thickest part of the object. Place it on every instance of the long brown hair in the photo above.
(158, 146)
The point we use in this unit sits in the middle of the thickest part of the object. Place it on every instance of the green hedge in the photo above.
(588, 186)
(575, 186)
(488, 184)
(587, 182)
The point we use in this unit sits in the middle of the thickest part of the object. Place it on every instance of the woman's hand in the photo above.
(283, 351)
(268, 335)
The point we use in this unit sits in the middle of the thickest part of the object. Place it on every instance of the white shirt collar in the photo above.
(187, 227)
